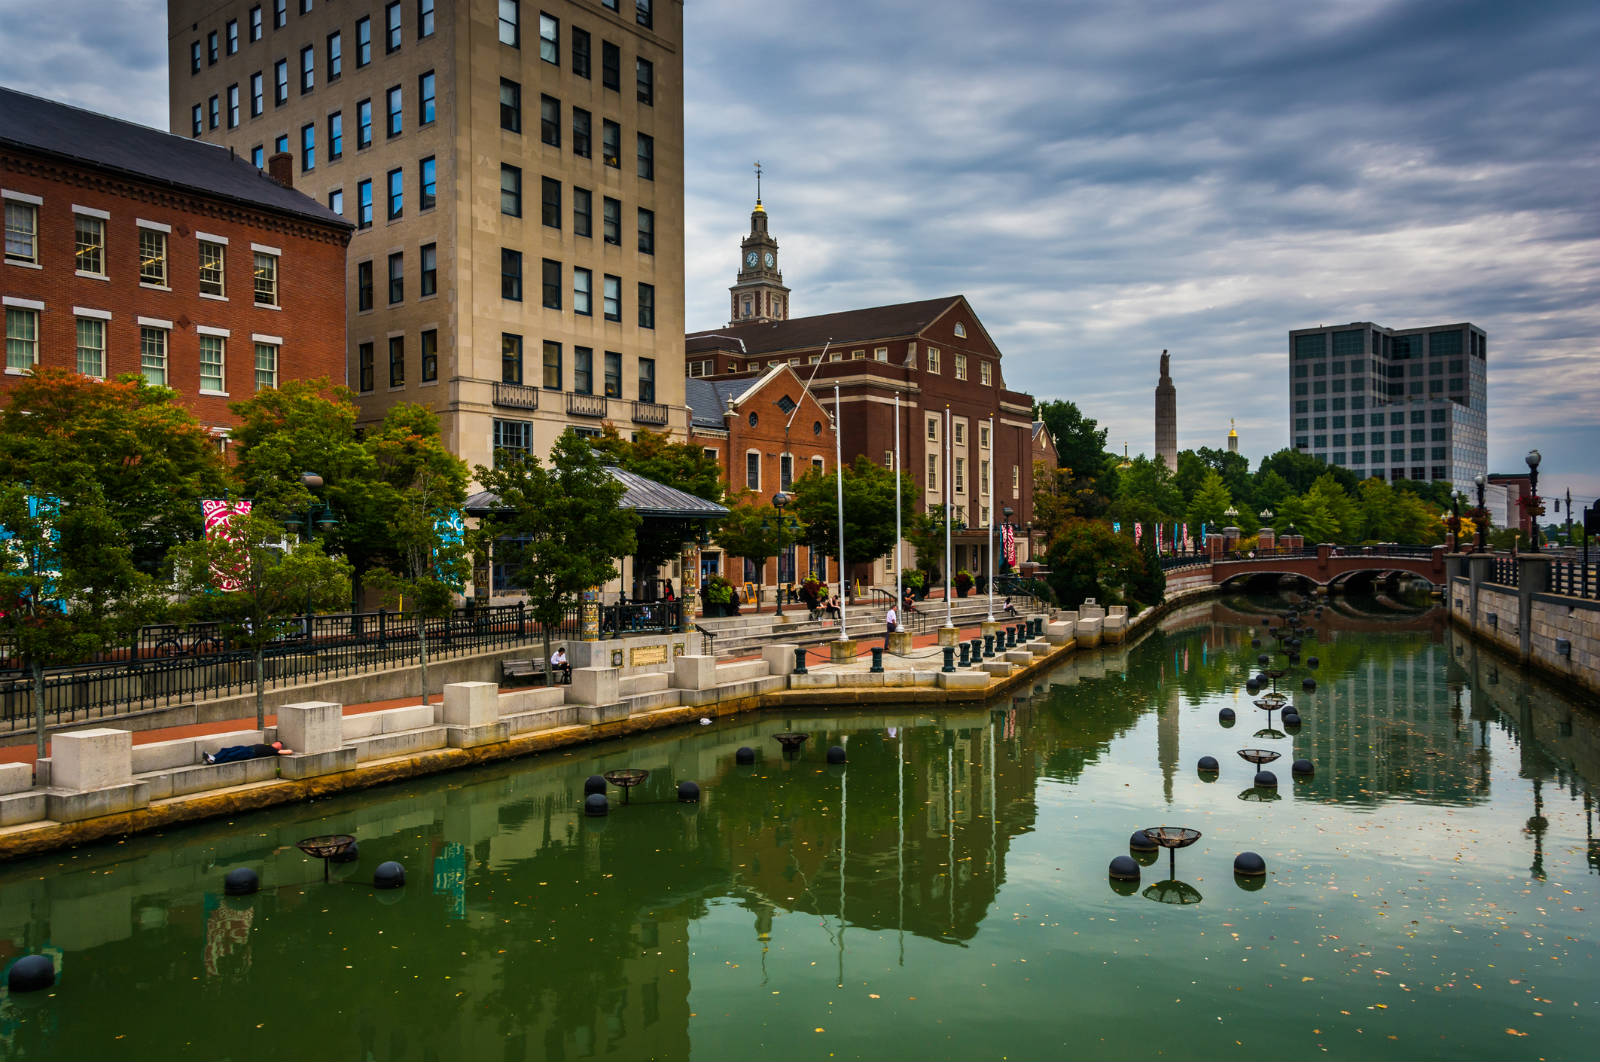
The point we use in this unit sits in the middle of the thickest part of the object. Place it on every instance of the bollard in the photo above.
(877, 660)
(949, 658)
(977, 651)
(799, 660)
(1011, 636)
(964, 651)
(988, 645)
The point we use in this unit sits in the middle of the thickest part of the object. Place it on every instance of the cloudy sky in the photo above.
(1104, 180)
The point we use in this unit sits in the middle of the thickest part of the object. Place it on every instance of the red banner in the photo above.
(219, 524)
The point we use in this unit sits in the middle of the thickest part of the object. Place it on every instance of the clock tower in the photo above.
(758, 295)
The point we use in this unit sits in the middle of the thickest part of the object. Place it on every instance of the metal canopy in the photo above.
(644, 496)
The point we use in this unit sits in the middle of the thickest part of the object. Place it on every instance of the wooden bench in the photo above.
(528, 672)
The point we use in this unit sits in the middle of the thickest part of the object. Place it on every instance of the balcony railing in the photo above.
(516, 396)
(586, 405)
(649, 413)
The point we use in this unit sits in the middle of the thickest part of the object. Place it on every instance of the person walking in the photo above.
(891, 622)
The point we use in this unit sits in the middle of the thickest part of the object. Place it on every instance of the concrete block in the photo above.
(1039, 647)
(361, 725)
(779, 658)
(470, 704)
(471, 737)
(900, 643)
(15, 777)
(77, 805)
(400, 743)
(899, 678)
(519, 701)
(644, 682)
(849, 679)
(415, 717)
(91, 759)
(997, 668)
(311, 727)
(962, 680)
(17, 808)
(653, 701)
(694, 672)
(315, 764)
(1058, 633)
(593, 714)
(949, 636)
(594, 685)
(542, 719)
(814, 680)
(182, 781)
(41, 772)
(1021, 657)
(842, 651)
(744, 671)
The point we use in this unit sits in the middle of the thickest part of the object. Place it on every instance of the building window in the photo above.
(752, 470)
(583, 370)
(391, 27)
(364, 359)
(397, 277)
(22, 338)
(510, 106)
(308, 147)
(266, 366)
(363, 42)
(961, 367)
(645, 78)
(89, 244)
(22, 231)
(550, 282)
(510, 191)
(611, 222)
(552, 366)
(397, 193)
(194, 57)
(647, 156)
(550, 202)
(197, 120)
(513, 439)
(308, 69)
(642, 13)
(280, 146)
(611, 143)
(961, 475)
(983, 436)
(933, 359)
(364, 124)
(266, 279)
(933, 472)
(255, 23)
(280, 13)
(396, 115)
(425, 98)
(510, 358)
(213, 358)
(613, 298)
(364, 285)
(424, 18)
(430, 355)
(428, 283)
(427, 184)
(647, 231)
(335, 135)
(152, 257)
(211, 48)
(397, 361)
(510, 274)
(985, 373)
(364, 205)
(213, 268)
(647, 305)
(1016, 479)
(647, 382)
(549, 39)
(550, 121)
(582, 212)
(580, 52)
(233, 106)
(510, 23)
(257, 103)
(335, 56)
(582, 291)
(613, 374)
(611, 66)
(280, 82)
(152, 355)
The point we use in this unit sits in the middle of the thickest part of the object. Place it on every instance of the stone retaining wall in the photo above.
(1553, 633)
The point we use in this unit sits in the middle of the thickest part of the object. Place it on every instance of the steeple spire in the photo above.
(758, 295)
(758, 182)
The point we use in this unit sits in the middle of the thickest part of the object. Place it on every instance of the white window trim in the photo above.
(157, 226)
(759, 477)
(262, 248)
(85, 311)
(91, 212)
(154, 322)
(209, 238)
(21, 197)
(257, 337)
(208, 330)
(21, 303)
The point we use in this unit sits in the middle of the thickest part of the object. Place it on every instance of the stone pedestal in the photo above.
(949, 636)
(91, 759)
(696, 672)
(779, 658)
(311, 727)
(842, 651)
(594, 685)
(316, 764)
(900, 643)
(471, 703)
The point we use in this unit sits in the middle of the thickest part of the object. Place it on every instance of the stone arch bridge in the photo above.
(1325, 565)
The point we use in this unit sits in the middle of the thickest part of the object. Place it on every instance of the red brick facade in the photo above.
(49, 295)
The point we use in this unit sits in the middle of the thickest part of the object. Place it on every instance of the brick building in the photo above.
(766, 431)
(128, 250)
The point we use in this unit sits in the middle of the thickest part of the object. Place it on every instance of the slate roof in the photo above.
(848, 326)
(709, 398)
(644, 496)
(107, 143)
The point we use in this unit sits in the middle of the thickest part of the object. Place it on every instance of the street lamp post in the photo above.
(318, 517)
(779, 500)
(1533, 459)
(1455, 520)
(1482, 515)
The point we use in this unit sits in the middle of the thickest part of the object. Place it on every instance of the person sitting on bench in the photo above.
(560, 665)
(245, 752)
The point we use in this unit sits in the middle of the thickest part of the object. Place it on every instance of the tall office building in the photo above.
(515, 175)
(1395, 403)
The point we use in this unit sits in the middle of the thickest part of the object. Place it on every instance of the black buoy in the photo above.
(1292, 720)
(1141, 842)
(33, 972)
(1124, 868)
(1252, 686)
(836, 754)
(1265, 620)
(1255, 643)
(1263, 659)
(1312, 661)
(745, 756)
(241, 881)
(348, 854)
(1309, 684)
(1249, 865)
(390, 875)
(1303, 767)
(1208, 763)
(1225, 715)
(1261, 678)
(1266, 780)
(688, 792)
(595, 805)
(594, 784)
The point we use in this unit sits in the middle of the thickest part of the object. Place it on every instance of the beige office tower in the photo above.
(515, 174)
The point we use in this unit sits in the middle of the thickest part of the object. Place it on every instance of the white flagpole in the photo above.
(899, 594)
(838, 478)
(949, 459)
(992, 508)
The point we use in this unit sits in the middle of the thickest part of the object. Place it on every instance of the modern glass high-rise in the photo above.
(1395, 403)
(506, 163)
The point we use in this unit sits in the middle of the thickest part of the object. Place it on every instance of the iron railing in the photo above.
(639, 617)
(1504, 572)
(1574, 579)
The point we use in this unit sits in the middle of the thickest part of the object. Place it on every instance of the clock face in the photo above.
(750, 259)
(770, 259)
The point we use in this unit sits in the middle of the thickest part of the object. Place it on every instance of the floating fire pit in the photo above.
(325, 848)
(1172, 838)
(625, 779)
(791, 741)
(1271, 702)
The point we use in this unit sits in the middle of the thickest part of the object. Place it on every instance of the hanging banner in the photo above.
(1202, 536)
(1138, 534)
(219, 517)
(1008, 544)
(1116, 528)
(451, 528)
(1158, 538)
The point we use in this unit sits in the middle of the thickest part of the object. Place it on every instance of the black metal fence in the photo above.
(1575, 579)
(1504, 572)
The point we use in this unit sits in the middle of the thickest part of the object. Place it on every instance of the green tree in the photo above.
(868, 509)
(1271, 490)
(69, 587)
(1088, 560)
(1147, 581)
(750, 530)
(1234, 468)
(275, 582)
(1325, 513)
(682, 465)
(1080, 441)
(924, 532)
(559, 527)
(1301, 470)
(429, 487)
(135, 449)
(1148, 481)
(1210, 501)
(1190, 475)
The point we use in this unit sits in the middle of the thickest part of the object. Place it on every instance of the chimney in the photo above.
(280, 167)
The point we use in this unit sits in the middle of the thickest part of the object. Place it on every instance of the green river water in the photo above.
(1431, 893)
